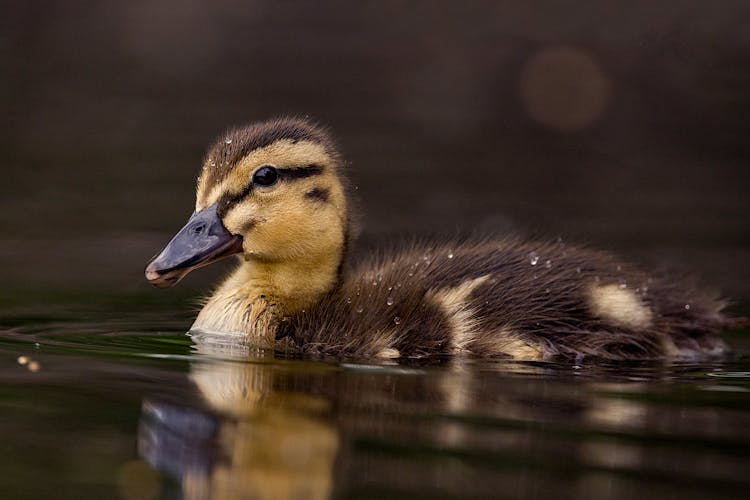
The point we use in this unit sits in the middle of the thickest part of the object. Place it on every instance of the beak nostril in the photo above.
(199, 228)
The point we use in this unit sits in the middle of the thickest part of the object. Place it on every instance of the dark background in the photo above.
(620, 124)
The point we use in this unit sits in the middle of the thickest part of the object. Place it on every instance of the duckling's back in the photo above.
(509, 298)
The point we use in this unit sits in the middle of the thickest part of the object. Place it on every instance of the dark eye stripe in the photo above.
(293, 173)
(300, 172)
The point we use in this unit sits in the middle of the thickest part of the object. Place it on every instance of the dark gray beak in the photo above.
(203, 240)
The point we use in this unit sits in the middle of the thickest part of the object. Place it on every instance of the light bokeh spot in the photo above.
(564, 88)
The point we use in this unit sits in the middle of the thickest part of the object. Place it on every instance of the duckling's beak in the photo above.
(203, 240)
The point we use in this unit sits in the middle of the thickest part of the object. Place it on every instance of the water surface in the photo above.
(107, 398)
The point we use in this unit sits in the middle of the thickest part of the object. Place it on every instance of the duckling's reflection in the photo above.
(294, 429)
(259, 440)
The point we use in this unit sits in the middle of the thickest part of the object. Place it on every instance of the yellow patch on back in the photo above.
(620, 306)
(461, 316)
(388, 353)
(466, 336)
(507, 343)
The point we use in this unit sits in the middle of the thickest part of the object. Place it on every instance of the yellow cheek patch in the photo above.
(280, 222)
(242, 217)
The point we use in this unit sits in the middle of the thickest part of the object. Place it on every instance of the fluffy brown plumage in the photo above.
(535, 304)
(276, 192)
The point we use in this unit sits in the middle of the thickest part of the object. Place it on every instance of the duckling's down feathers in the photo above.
(293, 288)
(506, 297)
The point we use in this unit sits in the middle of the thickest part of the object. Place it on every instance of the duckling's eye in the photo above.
(265, 176)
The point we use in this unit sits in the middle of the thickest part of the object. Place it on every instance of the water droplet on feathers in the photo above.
(533, 258)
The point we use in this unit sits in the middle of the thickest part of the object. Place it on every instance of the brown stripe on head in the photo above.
(229, 151)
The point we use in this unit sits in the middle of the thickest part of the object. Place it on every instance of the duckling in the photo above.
(276, 194)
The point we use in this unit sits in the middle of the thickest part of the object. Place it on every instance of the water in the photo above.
(122, 403)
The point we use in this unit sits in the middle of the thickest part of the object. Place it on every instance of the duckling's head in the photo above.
(273, 191)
